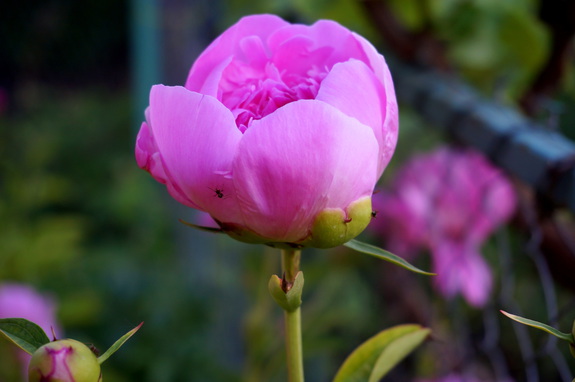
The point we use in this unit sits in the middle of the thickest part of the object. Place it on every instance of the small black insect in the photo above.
(373, 214)
(219, 192)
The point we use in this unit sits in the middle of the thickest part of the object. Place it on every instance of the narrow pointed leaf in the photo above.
(395, 352)
(546, 328)
(23, 333)
(360, 364)
(201, 227)
(384, 255)
(118, 344)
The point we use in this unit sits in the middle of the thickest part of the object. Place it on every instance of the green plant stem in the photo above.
(290, 265)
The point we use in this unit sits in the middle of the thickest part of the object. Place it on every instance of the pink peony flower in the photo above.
(22, 301)
(448, 201)
(278, 126)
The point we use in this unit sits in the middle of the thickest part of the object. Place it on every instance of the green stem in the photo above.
(290, 265)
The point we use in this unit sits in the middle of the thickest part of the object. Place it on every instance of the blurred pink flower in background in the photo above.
(22, 301)
(448, 201)
(277, 122)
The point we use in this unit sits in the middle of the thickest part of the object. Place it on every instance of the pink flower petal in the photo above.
(336, 43)
(218, 54)
(461, 269)
(149, 159)
(23, 301)
(304, 157)
(353, 88)
(197, 139)
(377, 63)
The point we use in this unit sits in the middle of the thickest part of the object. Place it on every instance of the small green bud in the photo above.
(333, 226)
(290, 299)
(64, 361)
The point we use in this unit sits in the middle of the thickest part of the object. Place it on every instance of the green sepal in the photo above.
(375, 357)
(538, 325)
(118, 344)
(23, 333)
(201, 227)
(290, 300)
(384, 255)
(334, 226)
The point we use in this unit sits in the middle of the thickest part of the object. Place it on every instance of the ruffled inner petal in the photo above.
(227, 45)
(337, 43)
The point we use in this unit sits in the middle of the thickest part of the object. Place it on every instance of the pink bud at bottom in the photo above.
(64, 361)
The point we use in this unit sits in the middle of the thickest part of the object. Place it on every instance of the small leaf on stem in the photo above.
(201, 227)
(23, 333)
(290, 300)
(118, 344)
(384, 255)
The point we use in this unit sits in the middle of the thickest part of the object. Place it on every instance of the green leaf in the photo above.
(291, 300)
(376, 356)
(384, 255)
(201, 227)
(395, 352)
(546, 328)
(23, 333)
(118, 344)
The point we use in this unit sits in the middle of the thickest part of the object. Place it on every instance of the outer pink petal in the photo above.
(197, 139)
(149, 159)
(375, 61)
(381, 70)
(304, 157)
(227, 45)
(353, 88)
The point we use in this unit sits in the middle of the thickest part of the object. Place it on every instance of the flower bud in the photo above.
(64, 361)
